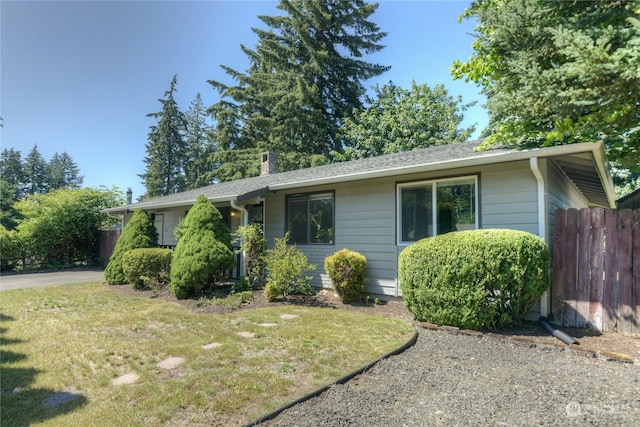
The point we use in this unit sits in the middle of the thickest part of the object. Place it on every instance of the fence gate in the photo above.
(596, 269)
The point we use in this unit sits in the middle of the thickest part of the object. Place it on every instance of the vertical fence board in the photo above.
(625, 298)
(635, 288)
(597, 269)
(584, 263)
(558, 287)
(571, 267)
(610, 295)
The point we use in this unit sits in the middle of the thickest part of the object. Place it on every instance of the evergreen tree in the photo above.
(559, 72)
(11, 169)
(63, 172)
(199, 144)
(202, 252)
(138, 233)
(402, 120)
(8, 214)
(166, 149)
(305, 76)
(35, 169)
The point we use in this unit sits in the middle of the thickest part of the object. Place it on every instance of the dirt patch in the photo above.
(611, 342)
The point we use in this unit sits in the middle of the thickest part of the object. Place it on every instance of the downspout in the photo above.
(542, 223)
(244, 214)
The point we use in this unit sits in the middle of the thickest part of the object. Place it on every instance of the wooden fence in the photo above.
(107, 243)
(596, 269)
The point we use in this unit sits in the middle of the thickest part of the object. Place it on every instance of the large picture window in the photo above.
(310, 218)
(429, 208)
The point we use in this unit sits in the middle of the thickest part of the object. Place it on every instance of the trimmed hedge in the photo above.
(146, 267)
(346, 270)
(138, 233)
(474, 279)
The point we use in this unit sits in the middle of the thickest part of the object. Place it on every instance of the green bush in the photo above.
(346, 270)
(201, 253)
(147, 267)
(138, 233)
(251, 239)
(287, 269)
(10, 249)
(474, 278)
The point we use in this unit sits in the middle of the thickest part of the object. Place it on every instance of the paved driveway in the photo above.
(32, 280)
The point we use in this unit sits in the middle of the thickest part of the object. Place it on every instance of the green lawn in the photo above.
(76, 339)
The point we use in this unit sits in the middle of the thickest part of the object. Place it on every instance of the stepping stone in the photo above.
(171, 363)
(129, 378)
(247, 334)
(267, 325)
(288, 316)
(212, 345)
(59, 398)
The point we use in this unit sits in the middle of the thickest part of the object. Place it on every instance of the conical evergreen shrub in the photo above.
(202, 252)
(138, 233)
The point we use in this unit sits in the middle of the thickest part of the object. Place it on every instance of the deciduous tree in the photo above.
(398, 120)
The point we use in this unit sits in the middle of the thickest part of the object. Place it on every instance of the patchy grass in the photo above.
(75, 340)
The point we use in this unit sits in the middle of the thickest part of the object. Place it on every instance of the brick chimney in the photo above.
(268, 164)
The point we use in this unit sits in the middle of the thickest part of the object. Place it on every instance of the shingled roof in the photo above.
(427, 159)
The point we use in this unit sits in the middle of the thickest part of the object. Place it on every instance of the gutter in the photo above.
(542, 223)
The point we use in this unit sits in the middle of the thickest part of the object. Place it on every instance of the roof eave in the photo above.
(485, 159)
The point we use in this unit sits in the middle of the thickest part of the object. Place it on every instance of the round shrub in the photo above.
(346, 270)
(138, 233)
(474, 279)
(145, 267)
(200, 254)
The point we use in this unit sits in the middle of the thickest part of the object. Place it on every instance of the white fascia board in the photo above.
(159, 205)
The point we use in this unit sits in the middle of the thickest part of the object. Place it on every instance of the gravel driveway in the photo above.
(460, 380)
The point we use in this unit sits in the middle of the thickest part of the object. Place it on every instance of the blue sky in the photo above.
(81, 76)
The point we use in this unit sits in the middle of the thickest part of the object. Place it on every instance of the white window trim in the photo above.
(434, 204)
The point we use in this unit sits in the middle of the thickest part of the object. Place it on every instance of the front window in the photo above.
(310, 218)
(429, 208)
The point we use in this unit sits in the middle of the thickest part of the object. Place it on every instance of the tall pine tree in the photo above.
(35, 169)
(166, 149)
(199, 144)
(305, 76)
(63, 172)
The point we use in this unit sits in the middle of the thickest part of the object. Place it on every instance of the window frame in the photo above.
(309, 196)
(432, 184)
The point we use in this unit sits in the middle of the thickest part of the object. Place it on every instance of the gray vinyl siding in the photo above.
(365, 217)
(509, 198)
(561, 194)
(364, 221)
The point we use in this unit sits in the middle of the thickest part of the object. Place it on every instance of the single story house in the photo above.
(377, 206)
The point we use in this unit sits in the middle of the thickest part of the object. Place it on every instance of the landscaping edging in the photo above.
(608, 356)
(342, 380)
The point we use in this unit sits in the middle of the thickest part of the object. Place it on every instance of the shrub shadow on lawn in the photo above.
(22, 405)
